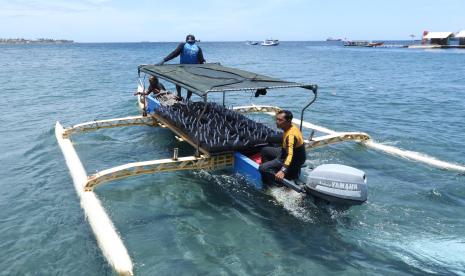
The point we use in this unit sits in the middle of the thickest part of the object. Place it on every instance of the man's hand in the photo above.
(279, 176)
(160, 63)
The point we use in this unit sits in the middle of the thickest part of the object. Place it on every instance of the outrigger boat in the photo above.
(221, 137)
(218, 131)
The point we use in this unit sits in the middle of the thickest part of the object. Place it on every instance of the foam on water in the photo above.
(292, 201)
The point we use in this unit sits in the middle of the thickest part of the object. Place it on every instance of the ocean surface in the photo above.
(213, 223)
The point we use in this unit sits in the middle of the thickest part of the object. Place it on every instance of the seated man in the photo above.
(285, 161)
(155, 86)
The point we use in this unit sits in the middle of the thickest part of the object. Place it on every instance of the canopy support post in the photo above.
(197, 152)
(224, 97)
(314, 89)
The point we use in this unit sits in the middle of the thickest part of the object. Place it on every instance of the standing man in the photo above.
(190, 54)
(284, 161)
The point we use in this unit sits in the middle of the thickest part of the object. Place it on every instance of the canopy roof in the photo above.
(437, 35)
(213, 77)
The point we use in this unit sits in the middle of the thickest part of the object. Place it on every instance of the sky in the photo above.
(233, 20)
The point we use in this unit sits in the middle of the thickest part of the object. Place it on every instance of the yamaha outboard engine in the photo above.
(337, 184)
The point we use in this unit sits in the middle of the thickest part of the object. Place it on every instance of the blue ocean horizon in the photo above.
(213, 222)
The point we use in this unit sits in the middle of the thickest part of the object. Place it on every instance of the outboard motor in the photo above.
(338, 184)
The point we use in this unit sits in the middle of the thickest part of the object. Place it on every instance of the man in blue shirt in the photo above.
(189, 53)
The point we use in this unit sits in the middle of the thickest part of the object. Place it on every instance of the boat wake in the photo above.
(293, 202)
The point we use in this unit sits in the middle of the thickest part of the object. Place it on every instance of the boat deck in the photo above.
(220, 130)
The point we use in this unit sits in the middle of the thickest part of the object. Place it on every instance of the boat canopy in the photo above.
(213, 77)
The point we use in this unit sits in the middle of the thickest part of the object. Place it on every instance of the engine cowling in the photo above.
(338, 184)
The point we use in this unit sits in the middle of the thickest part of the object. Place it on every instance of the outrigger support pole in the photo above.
(156, 166)
(224, 96)
(333, 137)
(110, 123)
(314, 89)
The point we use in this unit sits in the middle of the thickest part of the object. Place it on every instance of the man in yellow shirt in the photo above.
(285, 161)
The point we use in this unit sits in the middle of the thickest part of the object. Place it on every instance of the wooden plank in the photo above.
(179, 133)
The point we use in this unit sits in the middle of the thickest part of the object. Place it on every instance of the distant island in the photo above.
(34, 41)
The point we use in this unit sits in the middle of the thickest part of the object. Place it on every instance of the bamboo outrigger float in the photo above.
(221, 153)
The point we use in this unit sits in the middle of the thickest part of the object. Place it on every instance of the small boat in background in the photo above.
(362, 43)
(252, 42)
(270, 42)
(375, 44)
(356, 43)
(333, 39)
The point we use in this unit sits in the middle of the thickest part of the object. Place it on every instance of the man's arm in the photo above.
(175, 53)
(290, 151)
(155, 89)
(200, 56)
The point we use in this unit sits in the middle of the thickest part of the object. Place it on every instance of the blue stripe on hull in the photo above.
(152, 104)
(245, 166)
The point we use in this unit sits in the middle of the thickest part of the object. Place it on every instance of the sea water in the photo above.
(213, 223)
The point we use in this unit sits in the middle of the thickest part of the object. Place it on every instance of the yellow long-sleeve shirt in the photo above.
(292, 140)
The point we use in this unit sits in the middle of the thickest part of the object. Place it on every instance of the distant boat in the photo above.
(270, 42)
(375, 44)
(333, 39)
(356, 43)
(252, 43)
(362, 43)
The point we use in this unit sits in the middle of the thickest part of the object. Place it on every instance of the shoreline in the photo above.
(14, 41)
